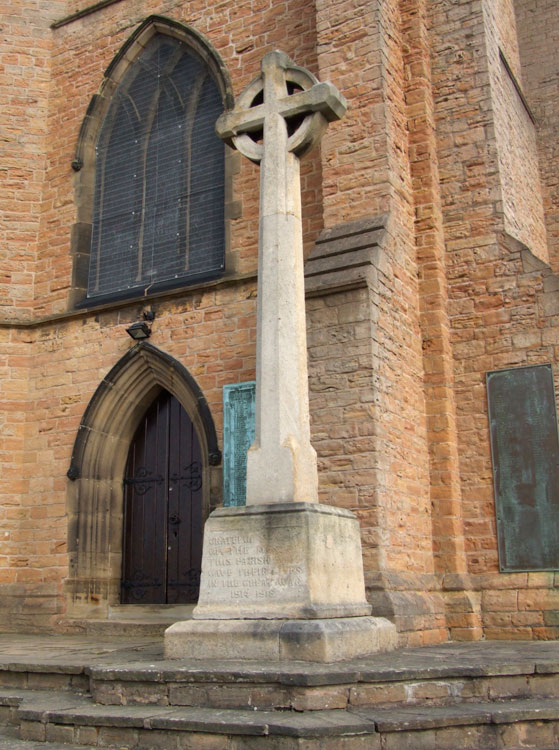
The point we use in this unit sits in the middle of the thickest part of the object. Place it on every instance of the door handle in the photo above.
(174, 519)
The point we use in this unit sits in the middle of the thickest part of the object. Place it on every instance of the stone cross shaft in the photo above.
(278, 118)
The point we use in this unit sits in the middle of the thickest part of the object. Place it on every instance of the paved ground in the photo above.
(77, 651)
(69, 650)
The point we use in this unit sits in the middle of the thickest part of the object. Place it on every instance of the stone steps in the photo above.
(43, 716)
(295, 686)
(241, 686)
(124, 694)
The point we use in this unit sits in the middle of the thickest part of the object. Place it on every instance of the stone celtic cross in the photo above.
(280, 116)
(282, 579)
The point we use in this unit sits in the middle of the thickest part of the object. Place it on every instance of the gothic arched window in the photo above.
(158, 207)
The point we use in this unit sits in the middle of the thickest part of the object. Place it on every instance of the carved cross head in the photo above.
(285, 89)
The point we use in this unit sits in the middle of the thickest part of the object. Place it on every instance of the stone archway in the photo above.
(95, 498)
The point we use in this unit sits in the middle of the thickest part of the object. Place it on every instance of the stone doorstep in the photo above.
(150, 612)
(146, 627)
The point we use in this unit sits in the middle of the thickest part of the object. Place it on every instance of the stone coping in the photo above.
(142, 658)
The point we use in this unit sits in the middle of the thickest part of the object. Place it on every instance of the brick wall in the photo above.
(25, 55)
(500, 311)
(538, 33)
(83, 50)
(53, 368)
(369, 174)
(461, 605)
(211, 331)
(514, 133)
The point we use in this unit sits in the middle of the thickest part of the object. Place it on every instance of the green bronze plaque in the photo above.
(238, 435)
(525, 451)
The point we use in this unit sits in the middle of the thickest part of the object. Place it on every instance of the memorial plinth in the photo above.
(299, 560)
(281, 582)
(282, 578)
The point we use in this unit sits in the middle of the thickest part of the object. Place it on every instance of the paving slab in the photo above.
(57, 708)
(426, 717)
(141, 659)
(405, 718)
(62, 710)
(526, 710)
(319, 724)
(218, 721)
(33, 704)
(10, 697)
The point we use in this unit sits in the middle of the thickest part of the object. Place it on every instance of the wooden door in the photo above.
(163, 522)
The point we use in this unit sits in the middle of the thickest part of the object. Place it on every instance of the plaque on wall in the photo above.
(525, 452)
(238, 435)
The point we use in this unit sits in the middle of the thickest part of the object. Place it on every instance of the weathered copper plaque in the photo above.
(525, 450)
(238, 435)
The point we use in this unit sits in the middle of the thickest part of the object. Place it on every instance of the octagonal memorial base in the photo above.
(281, 582)
(326, 641)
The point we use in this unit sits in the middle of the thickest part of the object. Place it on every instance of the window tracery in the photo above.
(158, 207)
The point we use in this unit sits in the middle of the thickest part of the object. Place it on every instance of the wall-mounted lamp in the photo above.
(141, 330)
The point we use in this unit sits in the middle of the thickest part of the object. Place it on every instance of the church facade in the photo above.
(431, 234)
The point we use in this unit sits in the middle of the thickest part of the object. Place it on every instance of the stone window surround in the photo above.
(83, 163)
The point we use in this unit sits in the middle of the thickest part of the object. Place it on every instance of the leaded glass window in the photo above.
(158, 218)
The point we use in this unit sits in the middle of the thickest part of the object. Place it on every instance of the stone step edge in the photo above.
(10, 699)
(290, 673)
(315, 723)
(9, 742)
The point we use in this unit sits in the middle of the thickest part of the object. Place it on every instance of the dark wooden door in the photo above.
(163, 523)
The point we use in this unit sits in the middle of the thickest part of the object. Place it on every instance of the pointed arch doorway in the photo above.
(96, 490)
(163, 508)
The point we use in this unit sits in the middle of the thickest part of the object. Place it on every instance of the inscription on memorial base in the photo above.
(284, 561)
